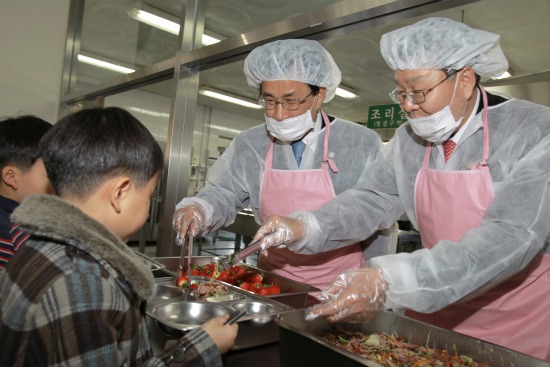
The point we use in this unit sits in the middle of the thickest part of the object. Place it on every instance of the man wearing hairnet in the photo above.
(472, 172)
(264, 167)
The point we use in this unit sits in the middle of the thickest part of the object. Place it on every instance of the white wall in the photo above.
(32, 44)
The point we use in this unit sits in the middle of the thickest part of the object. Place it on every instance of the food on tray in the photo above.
(202, 289)
(183, 281)
(211, 289)
(260, 288)
(206, 270)
(392, 351)
(251, 281)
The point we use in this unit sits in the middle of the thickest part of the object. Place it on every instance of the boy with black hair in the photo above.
(22, 173)
(75, 294)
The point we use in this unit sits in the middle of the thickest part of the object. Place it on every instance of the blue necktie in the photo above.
(298, 148)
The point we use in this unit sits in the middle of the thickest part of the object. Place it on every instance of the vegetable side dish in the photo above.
(392, 351)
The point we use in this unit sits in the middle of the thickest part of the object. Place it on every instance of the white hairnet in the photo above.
(441, 43)
(295, 59)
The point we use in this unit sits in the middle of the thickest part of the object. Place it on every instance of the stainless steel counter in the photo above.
(256, 345)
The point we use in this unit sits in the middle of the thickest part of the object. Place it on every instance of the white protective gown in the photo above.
(514, 228)
(233, 182)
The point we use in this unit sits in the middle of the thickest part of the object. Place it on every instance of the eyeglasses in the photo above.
(416, 96)
(289, 104)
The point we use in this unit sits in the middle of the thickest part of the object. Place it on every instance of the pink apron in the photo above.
(283, 192)
(514, 314)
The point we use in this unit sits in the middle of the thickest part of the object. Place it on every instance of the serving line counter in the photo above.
(257, 341)
(290, 341)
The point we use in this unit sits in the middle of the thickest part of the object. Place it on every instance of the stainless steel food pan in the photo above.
(301, 345)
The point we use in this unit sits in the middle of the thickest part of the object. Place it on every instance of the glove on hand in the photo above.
(280, 232)
(355, 295)
(189, 219)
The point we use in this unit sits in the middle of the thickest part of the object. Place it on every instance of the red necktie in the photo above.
(448, 148)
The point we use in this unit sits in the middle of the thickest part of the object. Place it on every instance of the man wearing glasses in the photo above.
(298, 160)
(472, 172)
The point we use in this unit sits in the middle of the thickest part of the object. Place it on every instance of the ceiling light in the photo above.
(346, 92)
(504, 75)
(104, 64)
(228, 97)
(155, 18)
(147, 112)
(208, 40)
(168, 23)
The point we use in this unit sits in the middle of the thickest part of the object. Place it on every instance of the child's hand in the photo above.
(223, 335)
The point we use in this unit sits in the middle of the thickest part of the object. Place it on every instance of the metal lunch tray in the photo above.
(181, 310)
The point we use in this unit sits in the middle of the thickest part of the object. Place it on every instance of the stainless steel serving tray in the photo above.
(166, 318)
(168, 303)
(301, 344)
(293, 293)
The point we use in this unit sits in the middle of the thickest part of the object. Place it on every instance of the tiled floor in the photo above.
(224, 244)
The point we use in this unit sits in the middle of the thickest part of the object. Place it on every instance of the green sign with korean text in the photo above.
(385, 116)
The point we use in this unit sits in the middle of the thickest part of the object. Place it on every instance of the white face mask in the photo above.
(438, 127)
(290, 129)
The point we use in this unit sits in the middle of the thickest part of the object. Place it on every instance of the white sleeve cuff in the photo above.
(313, 233)
(400, 278)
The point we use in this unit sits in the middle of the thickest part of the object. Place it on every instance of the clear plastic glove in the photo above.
(355, 295)
(189, 220)
(280, 232)
(223, 335)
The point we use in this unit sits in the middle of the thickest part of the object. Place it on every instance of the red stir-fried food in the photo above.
(251, 281)
(391, 351)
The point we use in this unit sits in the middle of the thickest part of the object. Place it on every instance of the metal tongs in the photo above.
(186, 255)
(240, 255)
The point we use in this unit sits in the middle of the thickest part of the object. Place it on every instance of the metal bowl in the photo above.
(184, 316)
(166, 292)
(266, 312)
